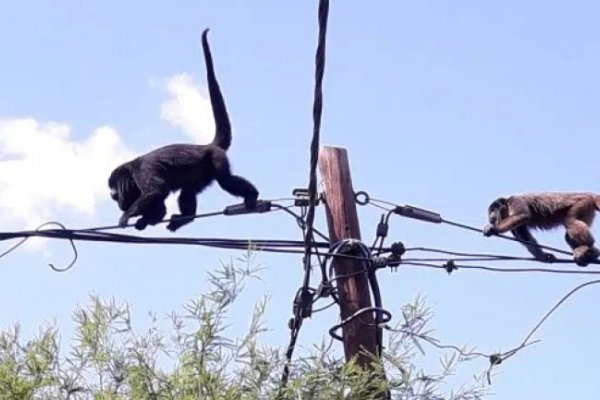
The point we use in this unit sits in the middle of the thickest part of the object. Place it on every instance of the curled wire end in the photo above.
(71, 241)
(20, 242)
(387, 317)
(73, 261)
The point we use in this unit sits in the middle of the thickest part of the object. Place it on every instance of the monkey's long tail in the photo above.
(222, 124)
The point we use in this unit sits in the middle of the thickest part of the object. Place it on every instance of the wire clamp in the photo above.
(450, 266)
(302, 198)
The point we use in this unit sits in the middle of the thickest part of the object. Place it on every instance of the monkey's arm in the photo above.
(522, 233)
(154, 191)
(512, 222)
(144, 202)
(508, 224)
(518, 214)
(187, 207)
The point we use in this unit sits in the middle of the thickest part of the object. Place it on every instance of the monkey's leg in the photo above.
(580, 239)
(187, 207)
(238, 186)
(233, 184)
(523, 234)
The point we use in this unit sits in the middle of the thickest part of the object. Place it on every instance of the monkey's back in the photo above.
(550, 209)
(183, 165)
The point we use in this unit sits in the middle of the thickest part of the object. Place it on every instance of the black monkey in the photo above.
(141, 186)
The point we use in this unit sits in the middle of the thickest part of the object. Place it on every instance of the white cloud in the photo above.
(188, 108)
(45, 174)
(43, 171)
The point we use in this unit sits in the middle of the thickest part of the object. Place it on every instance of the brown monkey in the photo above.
(575, 211)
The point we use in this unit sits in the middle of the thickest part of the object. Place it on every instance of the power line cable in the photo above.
(302, 302)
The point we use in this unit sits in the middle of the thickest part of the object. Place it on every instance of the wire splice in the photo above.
(237, 209)
(418, 213)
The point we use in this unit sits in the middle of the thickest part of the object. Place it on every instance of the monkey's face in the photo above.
(123, 189)
(497, 211)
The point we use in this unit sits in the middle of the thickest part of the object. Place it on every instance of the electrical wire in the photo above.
(323, 13)
(505, 270)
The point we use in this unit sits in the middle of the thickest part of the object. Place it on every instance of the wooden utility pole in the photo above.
(360, 334)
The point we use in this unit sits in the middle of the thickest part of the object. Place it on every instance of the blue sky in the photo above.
(442, 105)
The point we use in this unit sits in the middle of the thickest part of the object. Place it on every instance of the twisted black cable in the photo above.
(312, 183)
(314, 146)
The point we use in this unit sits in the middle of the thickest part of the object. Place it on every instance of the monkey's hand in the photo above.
(547, 257)
(124, 220)
(490, 230)
(179, 220)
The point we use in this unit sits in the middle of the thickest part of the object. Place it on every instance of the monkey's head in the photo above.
(123, 188)
(498, 210)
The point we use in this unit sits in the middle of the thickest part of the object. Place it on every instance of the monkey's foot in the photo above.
(250, 202)
(584, 255)
(179, 220)
(141, 224)
(547, 258)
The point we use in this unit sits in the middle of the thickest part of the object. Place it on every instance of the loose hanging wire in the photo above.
(300, 311)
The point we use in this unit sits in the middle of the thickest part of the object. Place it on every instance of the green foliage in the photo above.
(196, 359)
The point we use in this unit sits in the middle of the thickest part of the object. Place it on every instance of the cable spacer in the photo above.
(364, 201)
(397, 249)
(449, 266)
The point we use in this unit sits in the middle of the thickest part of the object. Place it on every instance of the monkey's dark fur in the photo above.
(575, 211)
(141, 186)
